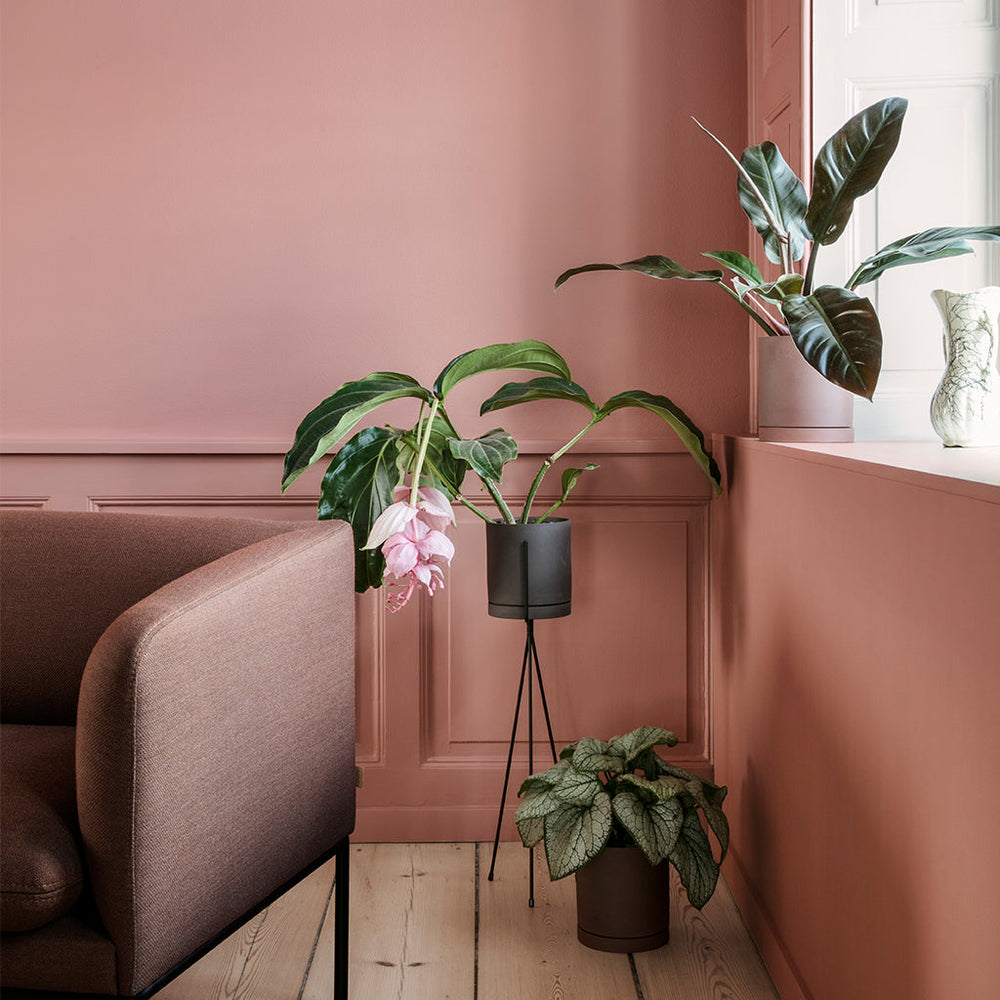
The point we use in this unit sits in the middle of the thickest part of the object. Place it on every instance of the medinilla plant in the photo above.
(623, 793)
(399, 528)
(836, 330)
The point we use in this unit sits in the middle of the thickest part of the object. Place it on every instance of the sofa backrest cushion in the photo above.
(65, 576)
(42, 872)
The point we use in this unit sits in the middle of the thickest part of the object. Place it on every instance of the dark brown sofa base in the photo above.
(341, 911)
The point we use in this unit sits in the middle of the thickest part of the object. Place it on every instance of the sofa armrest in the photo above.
(215, 743)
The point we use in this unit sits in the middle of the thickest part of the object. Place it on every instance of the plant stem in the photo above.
(807, 283)
(754, 315)
(498, 500)
(547, 464)
(422, 454)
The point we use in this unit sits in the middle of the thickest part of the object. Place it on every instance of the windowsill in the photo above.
(971, 472)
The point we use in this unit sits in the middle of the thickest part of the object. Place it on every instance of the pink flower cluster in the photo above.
(413, 542)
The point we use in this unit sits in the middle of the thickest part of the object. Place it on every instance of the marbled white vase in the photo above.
(965, 408)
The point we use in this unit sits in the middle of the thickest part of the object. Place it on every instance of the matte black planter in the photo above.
(623, 902)
(529, 573)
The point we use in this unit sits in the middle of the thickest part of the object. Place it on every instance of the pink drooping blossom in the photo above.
(413, 542)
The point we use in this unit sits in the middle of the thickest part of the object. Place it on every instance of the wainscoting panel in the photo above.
(437, 681)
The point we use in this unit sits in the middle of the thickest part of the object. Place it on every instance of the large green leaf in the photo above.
(931, 244)
(441, 467)
(656, 266)
(531, 829)
(630, 745)
(683, 425)
(594, 756)
(850, 164)
(785, 196)
(357, 487)
(664, 788)
(838, 333)
(545, 387)
(738, 264)
(340, 413)
(781, 288)
(527, 355)
(575, 835)
(710, 798)
(487, 454)
(653, 825)
(538, 801)
(577, 788)
(544, 779)
(692, 857)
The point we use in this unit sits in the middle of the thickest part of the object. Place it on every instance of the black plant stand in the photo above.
(529, 577)
(530, 658)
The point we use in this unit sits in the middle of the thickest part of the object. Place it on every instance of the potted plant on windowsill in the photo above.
(833, 328)
(399, 526)
(616, 814)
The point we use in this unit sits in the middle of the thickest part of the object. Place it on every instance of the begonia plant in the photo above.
(395, 486)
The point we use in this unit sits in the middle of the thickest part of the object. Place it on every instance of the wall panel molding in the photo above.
(436, 682)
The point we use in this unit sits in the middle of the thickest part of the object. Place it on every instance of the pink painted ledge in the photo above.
(970, 472)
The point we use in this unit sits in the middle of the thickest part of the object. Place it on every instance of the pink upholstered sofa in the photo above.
(178, 737)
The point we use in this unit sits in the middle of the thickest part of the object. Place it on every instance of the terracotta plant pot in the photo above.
(795, 402)
(529, 572)
(622, 902)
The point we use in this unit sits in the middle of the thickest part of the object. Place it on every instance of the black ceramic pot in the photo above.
(623, 902)
(528, 569)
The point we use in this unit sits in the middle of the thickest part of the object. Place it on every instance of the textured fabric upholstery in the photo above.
(215, 718)
(41, 875)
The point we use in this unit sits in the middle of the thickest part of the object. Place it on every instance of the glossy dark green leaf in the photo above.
(441, 468)
(357, 487)
(340, 413)
(683, 426)
(738, 264)
(655, 266)
(838, 333)
(785, 196)
(653, 824)
(526, 355)
(850, 164)
(776, 291)
(931, 244)
(692, 857)
(487, 454)
(575, 835)
(545, 387)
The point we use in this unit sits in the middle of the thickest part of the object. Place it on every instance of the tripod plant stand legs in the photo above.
(529, 666)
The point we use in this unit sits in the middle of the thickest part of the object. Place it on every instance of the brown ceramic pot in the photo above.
(623, 902)
(795, 402)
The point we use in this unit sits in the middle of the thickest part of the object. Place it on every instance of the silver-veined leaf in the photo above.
(684, 427)
(575, 835)
(340, 413)
(653, 825)
(531, 829)
(784, 193)
(577, 787)
(594, 756)
(545, 387)
(544, 779)
(664, 787)
(839, 334)
(634, 743)
(692, 857)
(527, 355)
(487, 454)
(357, 487)
(710, 798)
(931, 244)
(850, 164)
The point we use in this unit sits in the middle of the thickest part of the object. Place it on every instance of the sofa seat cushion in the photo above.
(42, 872)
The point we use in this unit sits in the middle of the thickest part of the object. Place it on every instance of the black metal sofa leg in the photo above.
(341, 920)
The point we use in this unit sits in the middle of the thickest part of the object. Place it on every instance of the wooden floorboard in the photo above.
(425, 927)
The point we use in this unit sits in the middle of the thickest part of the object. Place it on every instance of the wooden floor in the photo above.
(427, 925)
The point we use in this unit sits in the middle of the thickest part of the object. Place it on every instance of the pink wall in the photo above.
(856, 691)
(216, 212)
